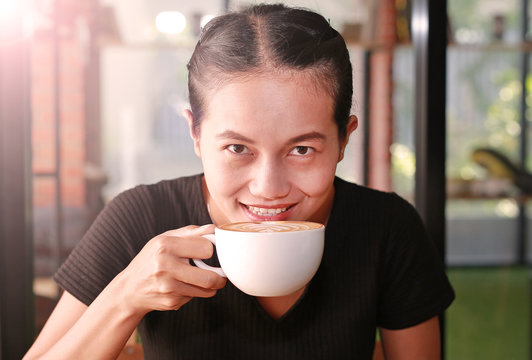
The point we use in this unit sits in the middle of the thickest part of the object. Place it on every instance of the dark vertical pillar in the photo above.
(16, 270)
(525, 71)
(429, 36)
(523, 229)
(366, 122)
(523, 140)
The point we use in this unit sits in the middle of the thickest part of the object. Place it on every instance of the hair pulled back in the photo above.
(264, 39)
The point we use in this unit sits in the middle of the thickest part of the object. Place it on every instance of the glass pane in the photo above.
(482, 232)
(351, 168)
(484, 239)
(403, 148)
(484, 21)
(483, 116)
(145, 136)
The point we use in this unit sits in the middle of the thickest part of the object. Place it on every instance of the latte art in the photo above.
(271, 226)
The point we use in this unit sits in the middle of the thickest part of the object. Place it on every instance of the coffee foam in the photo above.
(271, 226)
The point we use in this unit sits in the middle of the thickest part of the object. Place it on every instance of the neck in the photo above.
(276, 307)
(211, 206)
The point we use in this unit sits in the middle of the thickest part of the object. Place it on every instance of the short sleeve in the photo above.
(112, 241)
(412, 284)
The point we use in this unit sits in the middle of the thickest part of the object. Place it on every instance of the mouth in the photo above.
(270, 213)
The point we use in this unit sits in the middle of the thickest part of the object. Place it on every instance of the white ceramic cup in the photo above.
(268, 258)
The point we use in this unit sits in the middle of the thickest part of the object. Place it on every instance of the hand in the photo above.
(160, 277)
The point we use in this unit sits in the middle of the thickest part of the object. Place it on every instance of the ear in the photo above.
(351, 126)
(195, 137)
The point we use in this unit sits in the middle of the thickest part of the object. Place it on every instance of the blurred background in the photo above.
(103, 85)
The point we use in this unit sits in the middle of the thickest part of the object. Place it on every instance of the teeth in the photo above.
(264, 212)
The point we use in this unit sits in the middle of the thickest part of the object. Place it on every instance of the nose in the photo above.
(269, 180)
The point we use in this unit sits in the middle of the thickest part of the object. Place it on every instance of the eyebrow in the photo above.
(314, 135)
(233, 135)
(311, 136)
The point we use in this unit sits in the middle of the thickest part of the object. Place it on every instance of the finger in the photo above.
(180, 294)
(195, 247)
(192, 230)
(168, 268)
(200, 278)
(192, 291)
(177, 289)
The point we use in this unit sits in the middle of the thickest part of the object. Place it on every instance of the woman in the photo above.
(270, 94)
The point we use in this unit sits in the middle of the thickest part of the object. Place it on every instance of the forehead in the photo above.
(274, 90)
(270, 106)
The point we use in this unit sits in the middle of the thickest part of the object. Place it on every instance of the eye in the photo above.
(237, 149)
(301, 150)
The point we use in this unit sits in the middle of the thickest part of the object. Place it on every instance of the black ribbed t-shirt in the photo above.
(379, 269)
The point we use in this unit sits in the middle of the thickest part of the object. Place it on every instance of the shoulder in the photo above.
(168, 204)
(164, 191)
(385, 219)
(355, 197)
(152, 206)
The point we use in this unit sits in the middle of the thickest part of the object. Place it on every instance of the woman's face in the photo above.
(269, 148)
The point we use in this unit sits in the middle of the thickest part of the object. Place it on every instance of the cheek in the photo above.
(222, 180)
(317, 181)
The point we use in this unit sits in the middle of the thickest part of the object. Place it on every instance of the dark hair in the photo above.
(265, 38)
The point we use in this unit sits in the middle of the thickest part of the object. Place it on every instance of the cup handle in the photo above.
(199, 263)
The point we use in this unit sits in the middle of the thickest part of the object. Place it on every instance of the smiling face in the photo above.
(269, 148)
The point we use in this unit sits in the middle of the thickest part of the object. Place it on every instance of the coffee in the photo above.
(271, 226)
(268, 258)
